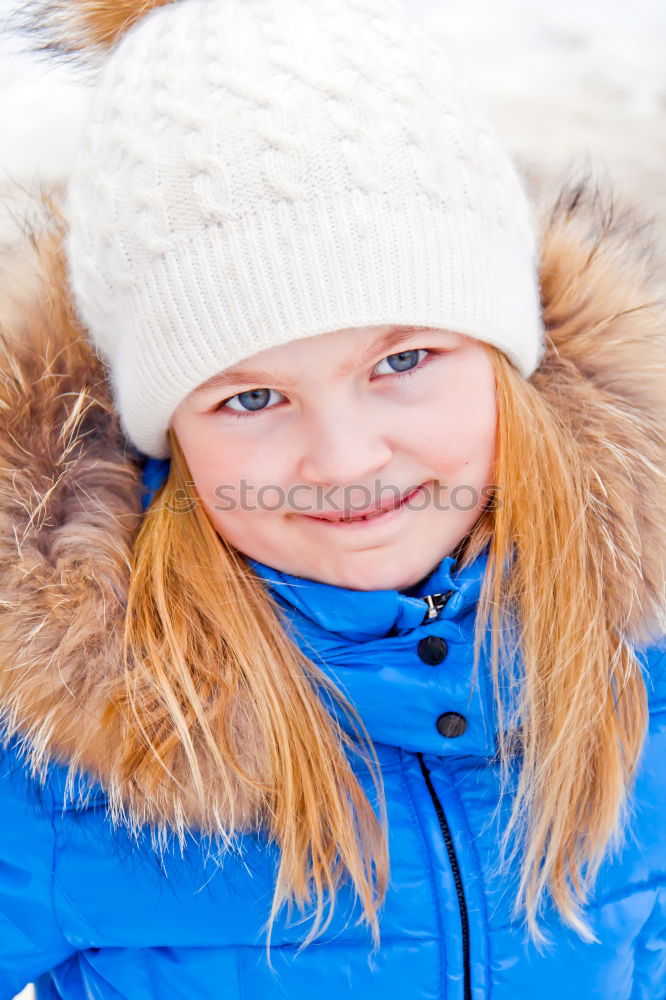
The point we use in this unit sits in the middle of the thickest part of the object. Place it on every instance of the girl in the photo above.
(332, 539)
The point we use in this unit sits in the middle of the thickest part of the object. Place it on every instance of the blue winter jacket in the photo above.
(90, 914)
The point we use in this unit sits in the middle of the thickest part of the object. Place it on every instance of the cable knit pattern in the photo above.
(255, 171)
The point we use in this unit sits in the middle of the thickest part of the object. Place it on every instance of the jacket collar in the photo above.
(369, 642)
(360, 615)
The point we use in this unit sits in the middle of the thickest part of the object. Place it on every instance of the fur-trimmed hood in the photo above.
(70, 483)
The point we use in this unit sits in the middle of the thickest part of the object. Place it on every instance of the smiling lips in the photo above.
(371, 512)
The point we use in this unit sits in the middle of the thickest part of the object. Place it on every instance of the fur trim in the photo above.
(604, 372)
(70, 488)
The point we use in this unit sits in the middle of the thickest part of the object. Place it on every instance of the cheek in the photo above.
(216, 459)
(460, 439)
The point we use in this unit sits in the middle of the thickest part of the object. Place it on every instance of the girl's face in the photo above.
(285, 444)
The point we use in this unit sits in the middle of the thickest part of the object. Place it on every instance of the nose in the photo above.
(341, 447)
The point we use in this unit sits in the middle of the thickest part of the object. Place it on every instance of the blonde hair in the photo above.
(570, 696)
(205, 629)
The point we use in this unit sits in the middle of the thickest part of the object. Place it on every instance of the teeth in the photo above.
(348, 520)
(364, 517)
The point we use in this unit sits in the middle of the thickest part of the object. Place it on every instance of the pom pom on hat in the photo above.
(82, 26)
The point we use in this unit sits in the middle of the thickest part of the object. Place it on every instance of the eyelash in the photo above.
(235, 414)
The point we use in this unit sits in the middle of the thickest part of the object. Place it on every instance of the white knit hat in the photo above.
(257, 171)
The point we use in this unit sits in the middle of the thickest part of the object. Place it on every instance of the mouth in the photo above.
(370, 514)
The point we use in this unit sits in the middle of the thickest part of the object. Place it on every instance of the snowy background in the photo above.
(581, 82)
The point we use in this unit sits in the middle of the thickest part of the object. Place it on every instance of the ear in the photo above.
(70, 27)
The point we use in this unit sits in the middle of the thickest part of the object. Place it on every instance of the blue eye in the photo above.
(251, 400)
(404, 361)
(244, 404)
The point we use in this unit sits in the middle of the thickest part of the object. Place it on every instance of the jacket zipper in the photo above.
(457, 878)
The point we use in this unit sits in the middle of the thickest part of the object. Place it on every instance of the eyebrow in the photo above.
(261, 376)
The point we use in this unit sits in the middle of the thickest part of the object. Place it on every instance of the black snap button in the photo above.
(451, 724)
(432, 649)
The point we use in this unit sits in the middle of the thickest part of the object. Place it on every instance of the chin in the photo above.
(336, 575)
(378, 576)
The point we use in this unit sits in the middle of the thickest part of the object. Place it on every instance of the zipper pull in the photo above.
(435, 604)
